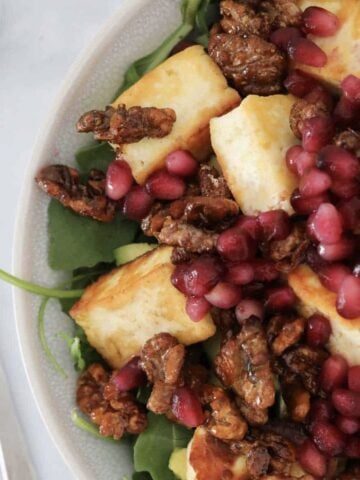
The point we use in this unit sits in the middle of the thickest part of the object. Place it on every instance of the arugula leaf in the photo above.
(98, 156)
(205, 16)
(153, 447)
(76, 241)
(82, 353)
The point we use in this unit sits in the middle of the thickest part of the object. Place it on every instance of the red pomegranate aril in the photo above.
(224, 295)
(356, 270)
(314, 260)
(354, 378)
(164, 186)
(338, 162)
(318, 331)
(280, 298)
(305, 51)
(348, 299)
(291, 156)
(317, 132)
(198, 276)
(137, 204)
(351, 88)
(250, 225)
(333, 373)
(130, 376)
(240, 273)
(332, 276)
(345, 188)
(348, 425)
(352, 449)
(314, 182)
(328, 438)
(321, 409)
(248, 308)
(345, 111)
(283, 35)
(337, 251)
(181, 163)
(197, 308)
(299, 83)
(236, 245)
(311, 459)
(346, 402)
(326, 224)
(264, 270)
(320, 22)
(307, 205)
(275, 224)
(350, 212)
(187, 408)
(320, 94)
(118, 179)
(299, 161)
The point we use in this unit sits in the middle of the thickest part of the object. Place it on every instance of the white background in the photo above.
(39, 39)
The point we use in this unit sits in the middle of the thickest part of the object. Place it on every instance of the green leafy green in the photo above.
(76, 241)
(97, 156)
(88, 427)
(153, 447)
(82, 353)
(141, 476)
(205, 16)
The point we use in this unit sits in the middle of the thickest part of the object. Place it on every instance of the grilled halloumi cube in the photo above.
(126, 307)
(342, 48)
(315, 298)
(250, 144)
(193, 85)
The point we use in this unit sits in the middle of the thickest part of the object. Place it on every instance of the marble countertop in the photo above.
(38, 42)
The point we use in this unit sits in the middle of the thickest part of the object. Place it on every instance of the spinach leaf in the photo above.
(153, 447)
(76, 241)
(98, 156)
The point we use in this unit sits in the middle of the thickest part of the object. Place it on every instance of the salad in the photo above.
(212, 235)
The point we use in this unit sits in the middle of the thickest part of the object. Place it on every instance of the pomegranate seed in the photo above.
(240, 273)
(348, 300)
(320, 22)
(348, 425)
(332, 276)
(197, 308)
(352, 449)
(198, 276)
(187, 408)
(299, 161)
(333, 373)
(320, 95)
(282, 37)
(317, 132)
(248, 308)
(354, 378)
(318, 331)
(338, 162)
(137, 203)
(311, 459)
(305, 51)
(345, 111)
(346, 402)
(264, 270)
(337, 251)
(306, 205)
(321, 410)
(299, 83)
(250, 225)
(350, 212)
(351, 88)
(275, 224)
(254, 290)
(329, 439)
(345, 188)
(356, 270)
(326, 224)
(182, 45)
(291, 155)
(164, 186)
(236, 245)
(280, 298)
(181, 163)
(224, 295)
(118, 179)
(314, 182)
(130, 376)
(314, 260)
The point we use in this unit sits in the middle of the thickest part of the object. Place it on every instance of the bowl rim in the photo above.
(78, 69)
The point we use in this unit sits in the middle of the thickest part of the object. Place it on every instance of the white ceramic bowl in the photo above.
(136, 29)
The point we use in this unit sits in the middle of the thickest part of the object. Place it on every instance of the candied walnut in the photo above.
(89, 200)
(192, 239)
(240, 18)
(306, 362)
(294, 432)
(120, 125)
(195, 376)
(254, 416)
(162, 358)
(297, 400)
(303, 110)
(348, 139)
(252, 64)
(282, 332)
(180, 255)
(160, 398)
(244, 364)
(212, 184)
(225, 320)
(282, 13)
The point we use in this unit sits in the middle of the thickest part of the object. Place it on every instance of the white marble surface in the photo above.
(38, 42)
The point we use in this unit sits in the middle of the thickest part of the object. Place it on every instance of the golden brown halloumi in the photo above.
(315, 298)
(126, 307)
(343, 48)
(193, 85)
(250, 143)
